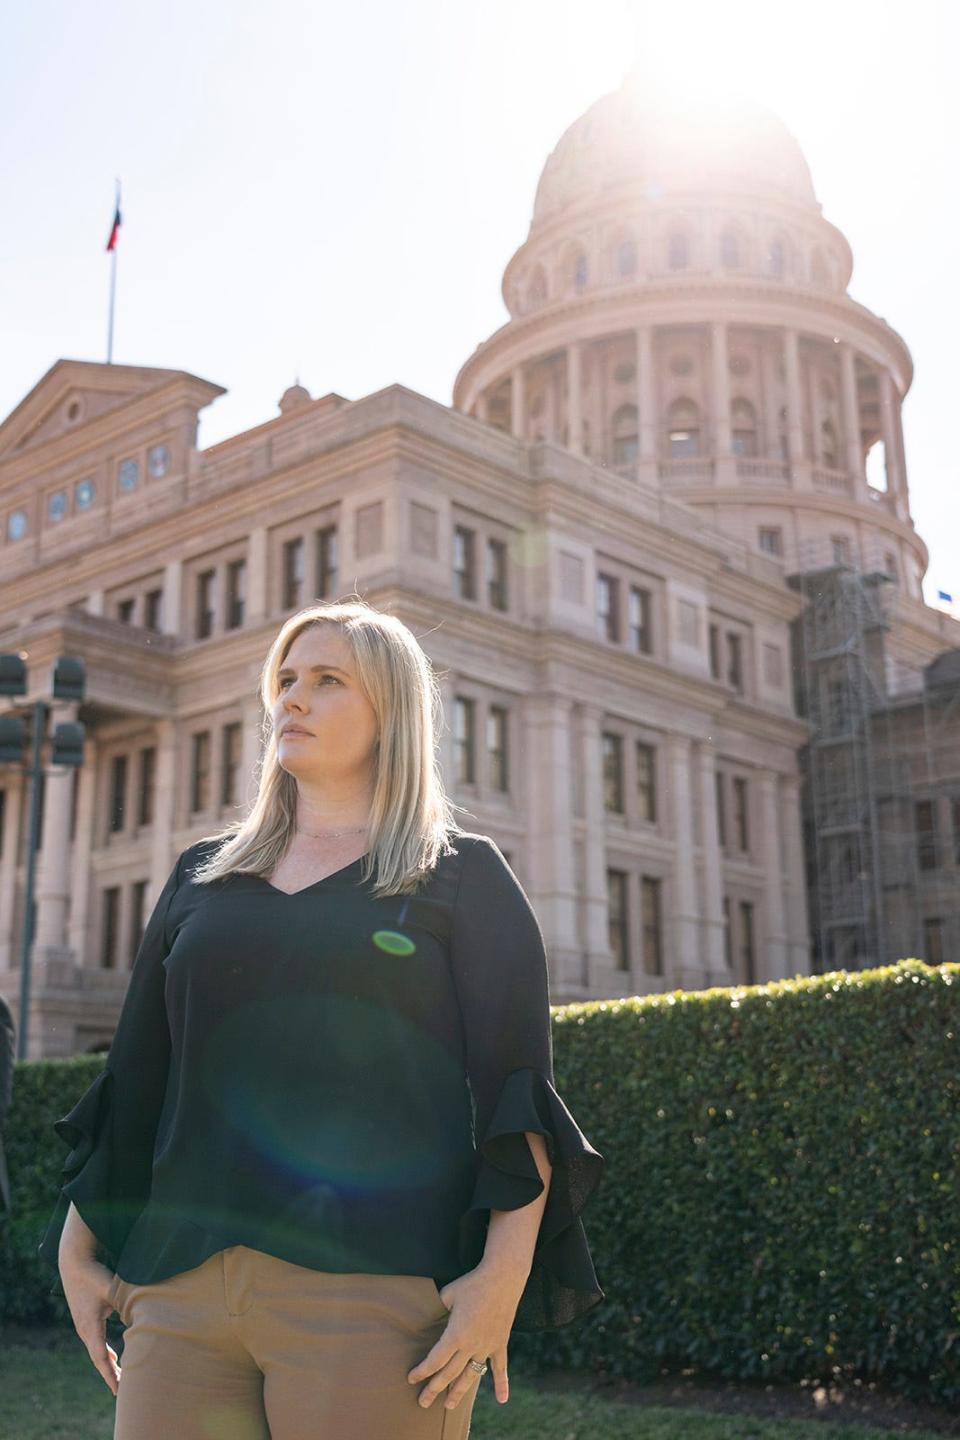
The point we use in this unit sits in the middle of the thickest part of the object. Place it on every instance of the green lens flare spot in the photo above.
(393, 942)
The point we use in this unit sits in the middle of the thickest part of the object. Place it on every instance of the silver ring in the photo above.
(480, 1366)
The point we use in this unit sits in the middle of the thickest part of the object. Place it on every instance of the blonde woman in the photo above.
(325, 1160)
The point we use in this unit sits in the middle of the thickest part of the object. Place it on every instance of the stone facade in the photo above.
(575, 540)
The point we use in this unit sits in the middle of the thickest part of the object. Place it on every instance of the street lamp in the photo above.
(69, 683)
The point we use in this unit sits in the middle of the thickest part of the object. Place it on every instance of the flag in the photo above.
(942, 595)
(112, 242)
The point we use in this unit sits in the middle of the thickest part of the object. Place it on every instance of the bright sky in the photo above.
(333, 190)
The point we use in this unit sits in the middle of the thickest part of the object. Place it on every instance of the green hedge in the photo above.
(781, 1198)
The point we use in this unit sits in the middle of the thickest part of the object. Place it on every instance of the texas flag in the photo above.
(112, 242)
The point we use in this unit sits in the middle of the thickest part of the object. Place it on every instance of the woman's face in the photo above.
(336, 724)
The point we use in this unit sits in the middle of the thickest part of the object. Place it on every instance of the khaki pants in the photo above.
(249, 1347)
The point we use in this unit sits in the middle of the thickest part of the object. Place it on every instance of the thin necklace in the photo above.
(331, 834)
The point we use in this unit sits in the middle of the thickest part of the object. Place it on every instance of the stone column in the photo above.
(720, 403)
(545, 765)
(53, 880)
(481, 406)
(688, 972)
(647, 426)
(574, 399)
(257, 608)
(890, 421)
(851, 417)
(771, 407)
(518, 404)
(95, 602)
(172, 596)
(15, 788)
(588, 722)
(776, 939)
(85, 840)
(712, 923)
(799, 465)
(816, 412)
(162, 850)
(448, 686)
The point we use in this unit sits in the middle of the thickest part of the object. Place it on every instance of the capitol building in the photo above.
(659, 550)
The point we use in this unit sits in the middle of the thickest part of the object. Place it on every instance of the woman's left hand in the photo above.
(482, 1307)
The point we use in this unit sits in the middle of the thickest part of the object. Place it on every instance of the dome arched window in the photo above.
(678, 251)
(683, 429)
(580, 272)
(625, 443)
(743, 423)
(776, 260)
(828, 445)
(818, 269)
(730, 249)
(627, 257)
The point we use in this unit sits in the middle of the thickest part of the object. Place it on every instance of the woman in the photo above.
(325, 1160)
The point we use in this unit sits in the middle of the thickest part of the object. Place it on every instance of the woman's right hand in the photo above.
(88, 1285)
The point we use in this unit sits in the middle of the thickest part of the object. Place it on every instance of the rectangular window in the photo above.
(608, 626)
(236, 593)
(293, 574)
(3, 819)
(125, 612)
(715, 651)
(327, 562)
(735, 660)
(727, 936)
(230, 773)
(497, 574)
(721, 813)
(464, 755)
(110, 933)
(617, 931)
(641, 637)
(147, 785)
(153, 609)
(497, 747)
(933, 940)
(955, 808)
(747, 967)
(646, 782)
(771, 540)
(206, 587)
(740, 813)
(464, 577)
(652, 907)
(118, 793)
(200, 772)
(138, 897)
(925, 825)
(613, 773)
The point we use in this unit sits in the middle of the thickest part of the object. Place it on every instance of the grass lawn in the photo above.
(50, 1391)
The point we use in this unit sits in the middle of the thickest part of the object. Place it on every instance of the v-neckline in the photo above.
(290, 894)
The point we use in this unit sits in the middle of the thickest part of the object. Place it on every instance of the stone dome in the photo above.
(637, 136)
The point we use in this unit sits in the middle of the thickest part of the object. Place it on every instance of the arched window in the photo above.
(683, 429)
(818, 269)
(743, 420)
(538, 286)
(775, 258)
(625, 445)
(730, 249)
(627, 258)
(580, 271)
(678, 251)
(828, 445)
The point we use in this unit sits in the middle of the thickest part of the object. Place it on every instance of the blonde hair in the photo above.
(411, 817)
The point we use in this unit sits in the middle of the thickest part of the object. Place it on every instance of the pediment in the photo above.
(71, 395)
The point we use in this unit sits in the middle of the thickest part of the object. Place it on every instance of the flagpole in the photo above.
(113, 289)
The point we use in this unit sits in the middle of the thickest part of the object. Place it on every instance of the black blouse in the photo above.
(338, 1080)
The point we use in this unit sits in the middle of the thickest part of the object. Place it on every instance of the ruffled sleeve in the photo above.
(500, 970)
(112, 1128)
